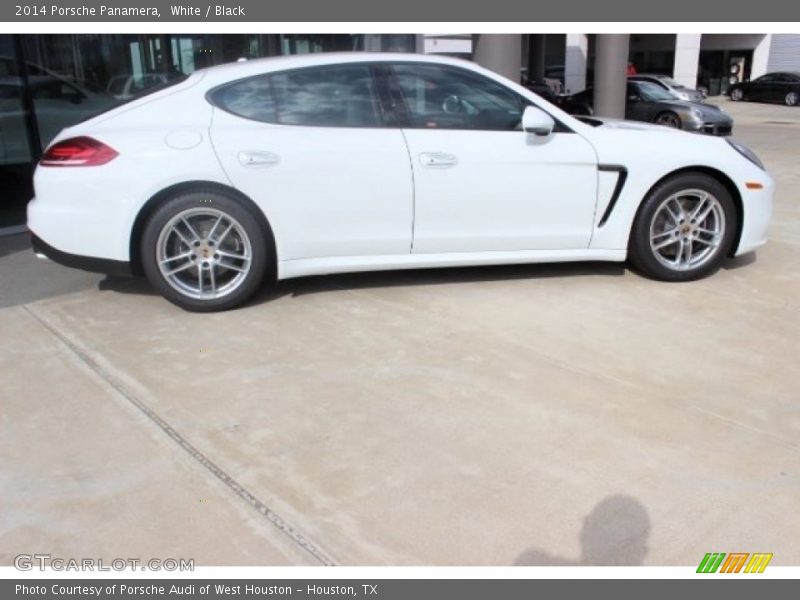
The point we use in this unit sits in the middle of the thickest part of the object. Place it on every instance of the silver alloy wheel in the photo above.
(204, 253)
(736, 95)
(687, 229)
(791, 99)
(669, 120)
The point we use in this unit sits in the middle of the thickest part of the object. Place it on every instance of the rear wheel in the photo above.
(684, 228)
(792, 98)
(669, 119)
(204, 251)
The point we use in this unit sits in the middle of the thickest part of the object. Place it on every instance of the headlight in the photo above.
(747, 153)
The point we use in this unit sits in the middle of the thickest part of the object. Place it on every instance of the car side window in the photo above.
(337, 96)
(765, 78)
(452, 98)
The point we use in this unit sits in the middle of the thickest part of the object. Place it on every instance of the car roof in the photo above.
(653, 75)
(246, 68)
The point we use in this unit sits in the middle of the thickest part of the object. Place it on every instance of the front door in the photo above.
(481, 183)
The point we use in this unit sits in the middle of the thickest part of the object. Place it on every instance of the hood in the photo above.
(634, 125)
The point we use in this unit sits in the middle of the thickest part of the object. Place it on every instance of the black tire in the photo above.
(668, 119)
(736, 94)
(643, 257)
(792, 99)
(261, 250)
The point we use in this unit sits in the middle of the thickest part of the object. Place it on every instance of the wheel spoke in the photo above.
(213, 228)
(190, 228)
(225, 233)
(232, 267)
(212, 279)
(184, 239)
(170, 259)
(700, 205)
(675, 217)
(687, 246)
(712, 243)
(232, 255)
(666, 243)
(200, 277)
(655, 236)
(183, 267)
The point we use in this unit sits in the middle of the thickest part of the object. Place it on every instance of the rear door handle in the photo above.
(258, 159)
(437, 159)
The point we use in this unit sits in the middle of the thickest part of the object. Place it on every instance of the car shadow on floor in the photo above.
(614, 533)
(399, 278)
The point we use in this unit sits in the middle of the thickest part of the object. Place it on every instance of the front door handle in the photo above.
(437, 159)
(258, 159)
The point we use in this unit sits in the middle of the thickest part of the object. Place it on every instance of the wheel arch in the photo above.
(162, 196)
(724, 180)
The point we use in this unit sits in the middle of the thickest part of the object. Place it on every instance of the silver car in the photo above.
(668, 83)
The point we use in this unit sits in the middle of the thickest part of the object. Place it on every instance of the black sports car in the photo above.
(651, 103)
(772, 87)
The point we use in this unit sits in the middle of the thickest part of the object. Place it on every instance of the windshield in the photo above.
(651, 92)
(670, 82)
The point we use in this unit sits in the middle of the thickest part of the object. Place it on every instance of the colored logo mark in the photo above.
(734, 562)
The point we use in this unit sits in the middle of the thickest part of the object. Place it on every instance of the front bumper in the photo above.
(77, 261)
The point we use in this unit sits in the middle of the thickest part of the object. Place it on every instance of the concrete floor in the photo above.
(563, 414)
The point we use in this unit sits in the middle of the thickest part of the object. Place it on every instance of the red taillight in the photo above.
(78, 152)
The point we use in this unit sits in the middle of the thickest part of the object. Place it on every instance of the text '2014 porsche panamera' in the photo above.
(304, 165)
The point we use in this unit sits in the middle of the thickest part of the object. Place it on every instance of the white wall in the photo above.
(784, 52)
(761, 57)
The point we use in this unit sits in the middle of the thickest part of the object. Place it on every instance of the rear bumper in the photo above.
(77, 261)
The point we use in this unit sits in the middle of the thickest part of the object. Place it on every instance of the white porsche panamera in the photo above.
(303, 165)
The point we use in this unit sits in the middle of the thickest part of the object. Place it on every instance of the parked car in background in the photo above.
(549, 89)
(651, 103)
(670, 85)
(125, 87)
(781, 86)
(329, 163)
(557, 72)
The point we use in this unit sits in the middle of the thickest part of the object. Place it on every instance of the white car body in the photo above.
(353, 199)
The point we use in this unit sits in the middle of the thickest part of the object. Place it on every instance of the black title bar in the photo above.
(401, 10)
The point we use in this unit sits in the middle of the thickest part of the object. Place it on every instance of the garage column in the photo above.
(687, 59)
(536, 51)
(502, 53)
(575, 62)
(610, 74)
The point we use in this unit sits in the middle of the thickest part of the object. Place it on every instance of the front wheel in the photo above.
(684, 229)
(792, 98)
(204, 251)
(669, 119)
(737, 94)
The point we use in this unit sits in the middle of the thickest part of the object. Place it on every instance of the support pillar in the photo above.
(536, 52)
(610, 74)
(575, 62)
(502, 53)
(687, 59)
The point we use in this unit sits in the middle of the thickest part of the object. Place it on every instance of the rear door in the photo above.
(313, 149)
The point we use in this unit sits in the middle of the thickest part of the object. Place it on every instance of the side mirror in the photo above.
(536, 121)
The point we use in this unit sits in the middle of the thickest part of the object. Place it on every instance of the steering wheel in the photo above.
(452, 104)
